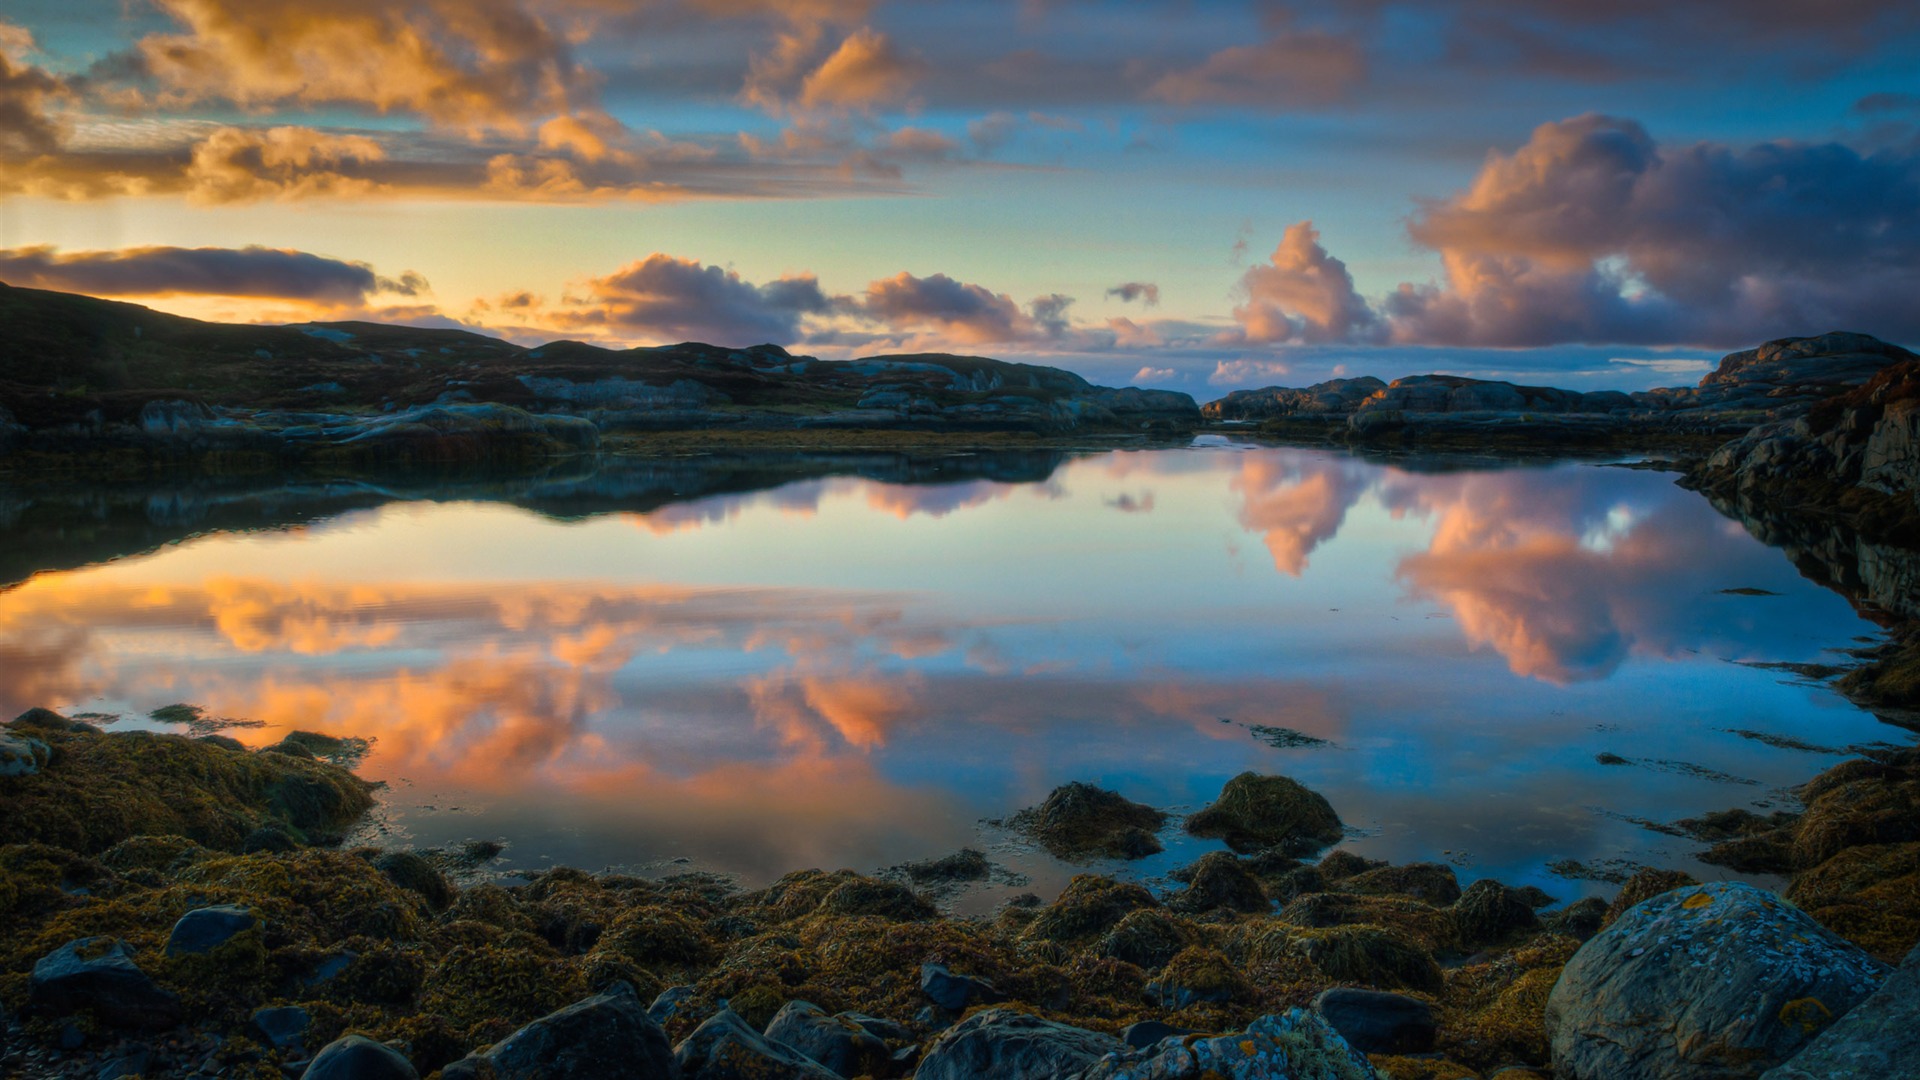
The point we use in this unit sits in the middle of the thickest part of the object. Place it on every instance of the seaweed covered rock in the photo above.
(1869, 895)
(873, 896)
(956, 992)
(726, 1047)
(1145, 938)
(356, 1057)
(1710, 981)
(1080, 821)
(414, 872)
(1298, 1045)
(1218, 880)
(1089, 906)
(98, 789)
(1432, 882)
(609, 1034)
(1198, 976)
(1255, 813)
(840, 1043)
(1432, 928)
(1643, 885)
(1010, 1045)
(1369, 956)
(1489, 912)
(98, 975)
(1374, 1022)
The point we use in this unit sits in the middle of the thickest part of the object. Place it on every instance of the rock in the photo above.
(1088, 907)
(1710, 981)
(1434, 883)
(411, 871)
(356, 1057)
(838, 1042)
(133, 1063)
(1145, 938)
(609, 1034)
(872, 896)
(1878, 1039)
(1298, 1045)
(1218, 880)
(1489, 912)
(1198, 975)
(98, 974)
(668, 1003)
(1373, 1022)
(47, 720)
(283, 1028)
(1371, 955)
(726, 1047)
(889, 1030)
(1080, 821)
(1009, 1045)
(203, 930)
(1147, 1032)
(956, 992)
(1643, 885)
(1335, 397)
(22, 755)
(1256, 812)
(1579, 920)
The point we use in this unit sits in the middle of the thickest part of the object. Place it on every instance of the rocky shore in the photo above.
(178, 906)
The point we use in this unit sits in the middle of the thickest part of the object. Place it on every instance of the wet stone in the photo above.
(283, 1028)
(609, 1034)
(99, 975)
(356, 1057)
(203, 930)
(1375, 1022)
(838, 1042)
(726, 1047)
(955, 992)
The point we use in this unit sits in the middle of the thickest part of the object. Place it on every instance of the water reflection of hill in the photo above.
(62, 524)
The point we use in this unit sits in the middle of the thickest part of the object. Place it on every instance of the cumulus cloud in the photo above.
(26, 92)
(1144, 291)
(1303, 294)
(1593, 232)
(1247, 370)
(244, 164)
(174, 271)
(867, 71)
(672, 299)
(970, 314)
(1288, 70)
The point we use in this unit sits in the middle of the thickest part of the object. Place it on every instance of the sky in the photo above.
(1192, 195)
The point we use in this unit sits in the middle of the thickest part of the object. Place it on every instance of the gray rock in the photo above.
(1878, 1039)
(956, 992)
(47, 720)
(203, 930)
(1298, 1045)
(609, 1034)
(132, 1063)
(668, 1003)
(356, 1057)
(283, 1028)
(726, 1047)
(1707, 982)
(98, 974)
(1147, 1032)
(22, 755)
(838, 1042)
(1010, 1045)
(890, 1030)
(1375, 1022)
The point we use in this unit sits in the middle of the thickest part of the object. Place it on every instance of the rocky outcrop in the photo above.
(726, 1047)
(840, 1043)
(609, 1034)
(1333, 398)
(1294, 1046)
(1258, 813)
(1011, 1045)
(1081, 821)
(98, 975)
(1709, 982)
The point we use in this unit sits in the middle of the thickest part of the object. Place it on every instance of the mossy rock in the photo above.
(1876, 806)
(488, 993)
(1341, 864)
(1146, 939)
(490, 904)
(1369, 956)
(166, 854)
(1256, 813)
(1494, 1013)
(1218, 880)
(418, 875)
(1490, 912)
(1198, 974)
(101, 789)
(1645, 885)
(873, 896)
(1079, 821)
(658, 938)
(1089, 906)
(1869, 895)
(1432, 883)
(1432, 928)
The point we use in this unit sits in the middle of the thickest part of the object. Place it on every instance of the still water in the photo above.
(753, 666)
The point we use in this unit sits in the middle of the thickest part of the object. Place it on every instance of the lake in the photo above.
(754, 663)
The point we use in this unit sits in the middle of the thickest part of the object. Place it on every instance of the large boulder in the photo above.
(955, 992)
(98, 974)
(1878, 1039)
(1374, 1022)
(726, 1047)
(21, 755)
(1708, 982)
(204, 930)
(1009, 1045)
(609, 1034)
(1257, 813)
(356, 1057)
(1298, 1045)
(841, 1043)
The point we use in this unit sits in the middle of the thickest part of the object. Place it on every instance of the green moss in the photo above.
(100, 789)
(1255, 813)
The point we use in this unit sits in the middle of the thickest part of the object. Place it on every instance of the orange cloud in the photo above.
(866, 71)
(1288, 70)
(1296, 506)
